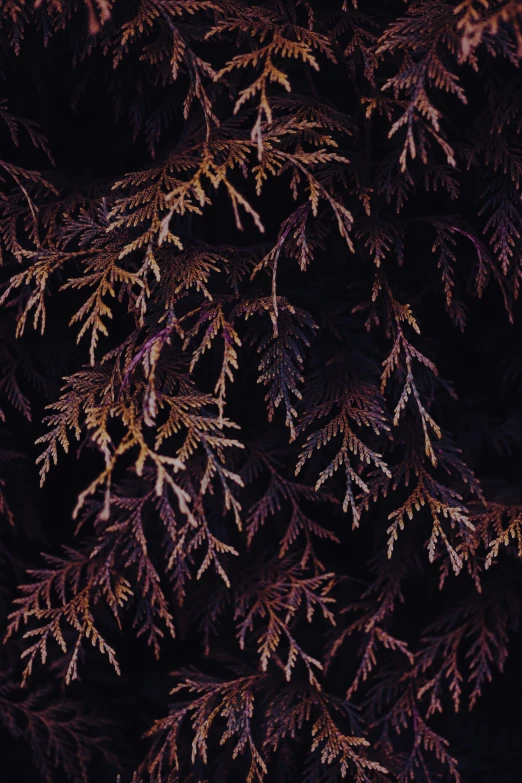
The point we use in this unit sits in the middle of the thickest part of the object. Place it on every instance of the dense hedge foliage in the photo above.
(259, 314)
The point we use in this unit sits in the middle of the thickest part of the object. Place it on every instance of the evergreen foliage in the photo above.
(260, 376)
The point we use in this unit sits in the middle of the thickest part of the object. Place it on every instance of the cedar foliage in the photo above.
(260, 280)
